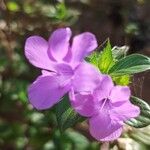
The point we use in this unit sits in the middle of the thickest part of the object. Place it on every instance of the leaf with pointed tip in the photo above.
(131, 64)
(106, 59)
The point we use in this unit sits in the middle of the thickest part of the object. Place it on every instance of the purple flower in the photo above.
(63, 66)
(107, 108)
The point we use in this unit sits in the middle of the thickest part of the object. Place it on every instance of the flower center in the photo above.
(104, 103)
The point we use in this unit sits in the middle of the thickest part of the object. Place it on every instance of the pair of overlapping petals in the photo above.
(64, 70)
(63, 66)
(107, 108)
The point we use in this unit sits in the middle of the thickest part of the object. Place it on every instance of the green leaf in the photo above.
(93, 58)
(143, 119)
(131, 64)
(66, 116)
(122, 80)
(119, 52)
(106, 59)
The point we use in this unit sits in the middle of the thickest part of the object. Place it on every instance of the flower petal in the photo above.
(84, 104)
(47, 73)
(124, 111)
(86, 78)
(65, 69)
(104, 88)
(120, 93)
(83, 44)
(47, 91)
(103, 128)
(59, 43)
(36, 52)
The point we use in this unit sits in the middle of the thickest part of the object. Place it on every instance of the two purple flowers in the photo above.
(91, 93)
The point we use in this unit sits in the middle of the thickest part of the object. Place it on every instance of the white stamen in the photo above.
(103, 103)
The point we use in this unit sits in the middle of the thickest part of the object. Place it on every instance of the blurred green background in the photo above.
(125, 22)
